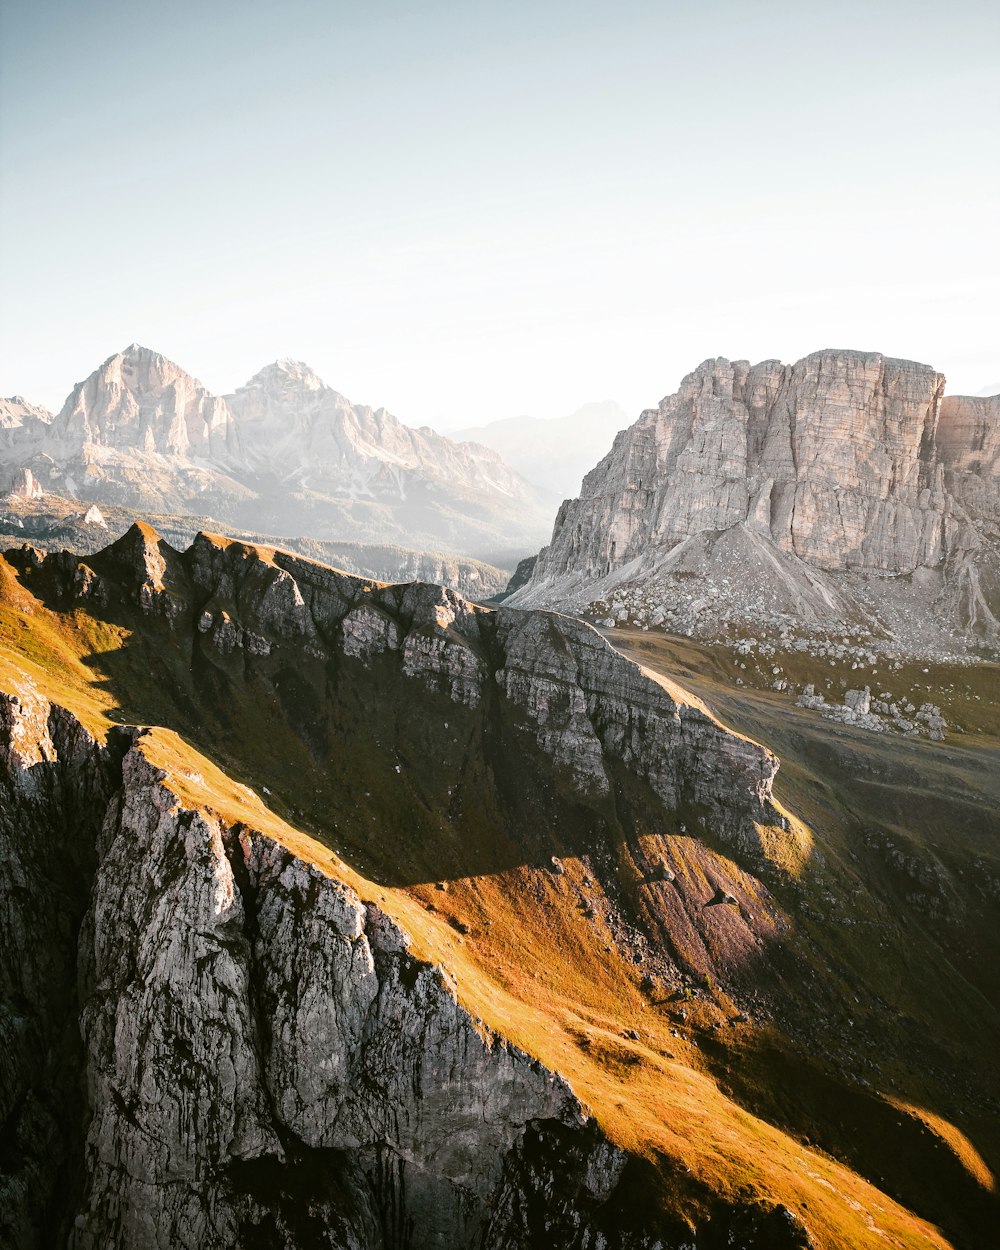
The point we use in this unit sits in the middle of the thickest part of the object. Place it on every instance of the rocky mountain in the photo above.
(553, 453)
(424, 924)
(284, 454)
(844, 491)
(138, 432)
(15, 411)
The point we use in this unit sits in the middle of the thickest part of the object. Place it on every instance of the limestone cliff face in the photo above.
(968, 440)
(138, 431)
(843, 463)
(586, 707)
(140, 400)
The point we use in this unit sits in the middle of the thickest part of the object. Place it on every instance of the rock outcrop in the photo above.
(808, 490)
(25, 486)
(585, 706)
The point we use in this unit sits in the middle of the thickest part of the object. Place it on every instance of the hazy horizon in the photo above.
(466, 214)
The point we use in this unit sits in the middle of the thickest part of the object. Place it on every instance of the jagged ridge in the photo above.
(440, 741)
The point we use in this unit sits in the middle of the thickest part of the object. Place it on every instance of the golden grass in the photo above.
(956, 1141)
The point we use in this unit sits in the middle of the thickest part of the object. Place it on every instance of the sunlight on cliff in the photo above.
(956, 1141)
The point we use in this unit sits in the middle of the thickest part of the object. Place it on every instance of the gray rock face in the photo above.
(55, 782)
(246, 1021)
(139, 399)
(844, 465)
(24, 486)
(586, 706)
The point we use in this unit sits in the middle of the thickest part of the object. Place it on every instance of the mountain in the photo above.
(424, 924)
(15, 411)
(989, 391)
(302, 436)
(553, 453)
(140, 401)
(844, 492)
(139, 432)
(283, 454)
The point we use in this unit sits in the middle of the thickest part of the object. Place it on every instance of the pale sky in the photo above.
(468, 211)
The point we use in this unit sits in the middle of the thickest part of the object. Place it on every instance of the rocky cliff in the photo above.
(212, 1038)
(264, 1060)
(285, 453)
(811, 491)
(461, 967)
(140, 400)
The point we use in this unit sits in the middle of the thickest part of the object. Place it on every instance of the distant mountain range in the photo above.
(555, 453)
(284, 454)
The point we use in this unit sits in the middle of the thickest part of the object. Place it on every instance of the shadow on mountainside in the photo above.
(414, 788)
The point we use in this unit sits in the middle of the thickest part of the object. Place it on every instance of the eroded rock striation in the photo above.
(812, 491)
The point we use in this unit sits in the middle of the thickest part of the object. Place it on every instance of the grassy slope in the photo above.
(909, 832)
(532, 964)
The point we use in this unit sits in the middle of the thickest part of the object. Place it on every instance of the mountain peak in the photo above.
(135, 352)
(287, 374)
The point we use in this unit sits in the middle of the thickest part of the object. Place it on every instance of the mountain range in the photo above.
(284, 454)
(360, 915)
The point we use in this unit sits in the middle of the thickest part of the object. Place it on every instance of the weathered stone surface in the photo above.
(25, 486)
(845, 465)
